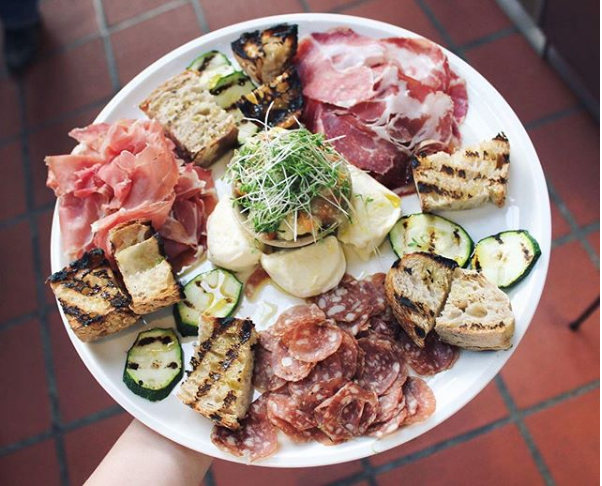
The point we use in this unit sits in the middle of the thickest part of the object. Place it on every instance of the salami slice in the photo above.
(256, 437)
(348, 302)
(323, 382)
(388, 402)
(268, 340)
(436, 356)
(348, 413)
(397, 418)
(381, 365)
(312, 341)
(420, 400)
(264, 378)
(297, 315)
(387, 328)
(284, 413)
(349, 352)
(287, 367)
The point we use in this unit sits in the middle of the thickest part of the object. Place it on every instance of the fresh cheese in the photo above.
(374, 211)
(228, 244)
(309, 270)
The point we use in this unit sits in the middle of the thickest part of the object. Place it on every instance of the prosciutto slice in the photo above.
(124, 171)
(380, 100)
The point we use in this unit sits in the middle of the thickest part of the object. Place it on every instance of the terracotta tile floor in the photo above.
(537, 423)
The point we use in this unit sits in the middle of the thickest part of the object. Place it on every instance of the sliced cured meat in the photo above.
(287, 367)
(380, 429)
(435, 357)
(381, 365)
(269, 340)
(349, 354)
(321, 383)
(256, 438)
(420, 400)
(311, 341)
(284, 413)
(387, 328)
(297, 315)
(264, 378)
(335, 67)
(348, 413)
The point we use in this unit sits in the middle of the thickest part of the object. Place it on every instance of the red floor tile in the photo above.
(79, 393)
(66, 21)
(327, 5)
(498, 458)
(569, 150)
(12, 186)
(487, 407)
(453, 17)
(53, 140)
(560, 226)
(10, 118)
(117, 10)
(51, 92)
(26, 408)
(568, 439)
(17, 285)
(227, 473)
(133, 56)
(552, 359)
(87, 446)
(531, 87)
(594, 241)
(44, 222)
(34, 465)
(404, 13)
(220, 14)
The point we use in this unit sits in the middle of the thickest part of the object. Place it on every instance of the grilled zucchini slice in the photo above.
(506, 258)
(279, 104)
(425, 232)
(214, 294)
(154, 364)
(228, 89)
(211, 67)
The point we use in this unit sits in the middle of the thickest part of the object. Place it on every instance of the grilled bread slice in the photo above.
(279, 103)
(147, 275)
(468, 178)
(91, 299)
(219, 385)
(267, 54)
(477, 314)
(200, 128)
(416, 287)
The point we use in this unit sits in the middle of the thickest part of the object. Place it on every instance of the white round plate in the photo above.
(527, 207)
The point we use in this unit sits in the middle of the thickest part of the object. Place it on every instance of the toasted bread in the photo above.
(91, 299)
(468, 178)
(200, 128)
(477, 314)
(147, 275)
(219, 385)
(416, 287)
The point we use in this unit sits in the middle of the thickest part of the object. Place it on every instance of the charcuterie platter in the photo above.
(299, 240)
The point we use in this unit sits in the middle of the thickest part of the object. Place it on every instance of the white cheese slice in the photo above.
(309, 270)
(374, 211)
(228, 244)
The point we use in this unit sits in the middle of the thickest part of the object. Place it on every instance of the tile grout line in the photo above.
(209, 479)
(368, 471)
(200, 16)
(144, 16)
(524, 431)
(451, 45)
(101, 20)
(40, 294)
(487, 39)
(552, 117)
(347, 6)
(305, 6)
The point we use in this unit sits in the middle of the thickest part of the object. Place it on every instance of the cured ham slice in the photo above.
(124, 171)
(380, 100)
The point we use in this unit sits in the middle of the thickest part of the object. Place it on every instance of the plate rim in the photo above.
(359, 452)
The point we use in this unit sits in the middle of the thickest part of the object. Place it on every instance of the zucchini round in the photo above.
(425, 232)
(215, 293)
(506, 258)
(211, 66)
(154, 364)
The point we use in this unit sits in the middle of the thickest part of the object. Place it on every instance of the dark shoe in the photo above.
(21, 46)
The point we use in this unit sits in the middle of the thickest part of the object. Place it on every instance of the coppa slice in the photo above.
(416, 287)
(154, 364)
(219, 385)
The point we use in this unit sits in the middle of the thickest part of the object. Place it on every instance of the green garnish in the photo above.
(280, 172)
